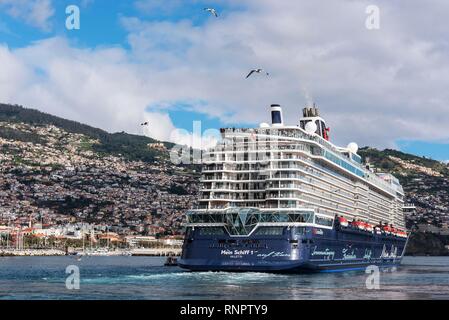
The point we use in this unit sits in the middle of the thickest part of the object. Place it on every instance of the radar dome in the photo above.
(264, 125)
(353, 147)
(311, 127)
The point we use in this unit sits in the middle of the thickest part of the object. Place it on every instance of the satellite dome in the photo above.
(353, 147)
(311, 127)
(264, 125)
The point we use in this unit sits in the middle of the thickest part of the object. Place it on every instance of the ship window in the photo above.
(316, 151)
(343, 163)
(242, 221)
(356, 158)
(324, 221)
(318, 129)
(270, 231)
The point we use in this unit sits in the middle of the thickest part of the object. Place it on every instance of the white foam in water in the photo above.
(419, 278)
(216, 277)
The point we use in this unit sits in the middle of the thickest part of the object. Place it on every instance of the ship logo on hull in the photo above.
(347, 255)
(368, 254)
(273, 254)
(327, 253)
(237, 253)
(393, 252)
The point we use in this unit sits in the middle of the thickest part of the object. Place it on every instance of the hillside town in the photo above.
(58, 188)
(427, 196)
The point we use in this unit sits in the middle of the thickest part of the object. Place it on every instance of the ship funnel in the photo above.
(310, 112)
(276, 115)
(312, 122)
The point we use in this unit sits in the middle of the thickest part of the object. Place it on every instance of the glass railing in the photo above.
(241, 221)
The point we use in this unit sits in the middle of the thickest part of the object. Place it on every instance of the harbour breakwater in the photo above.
(160, 252)
(31, 252)
(156, 252)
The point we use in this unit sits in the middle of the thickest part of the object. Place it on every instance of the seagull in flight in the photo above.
(212, 11)
(257, 71)
(144, 123)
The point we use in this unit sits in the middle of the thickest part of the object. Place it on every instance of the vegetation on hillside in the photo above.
(12, 134)
(382, 161)
(129, 146)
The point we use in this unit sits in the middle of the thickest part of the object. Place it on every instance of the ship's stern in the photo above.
(267, 249)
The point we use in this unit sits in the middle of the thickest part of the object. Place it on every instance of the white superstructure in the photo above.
(296, 168)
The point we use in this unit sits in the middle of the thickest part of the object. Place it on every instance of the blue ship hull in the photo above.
(294, 249)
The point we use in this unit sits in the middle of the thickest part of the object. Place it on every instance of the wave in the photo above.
(216, 277)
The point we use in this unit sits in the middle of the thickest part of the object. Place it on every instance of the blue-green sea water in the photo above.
(147, 278)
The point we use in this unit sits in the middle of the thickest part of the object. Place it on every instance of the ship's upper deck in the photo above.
(282, 167)
(291, 137)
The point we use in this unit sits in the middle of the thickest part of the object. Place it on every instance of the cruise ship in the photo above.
(284, 198)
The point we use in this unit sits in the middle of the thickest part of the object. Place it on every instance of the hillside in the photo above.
(59, 173)
(62, 171)
(426, 185)
(425, 182)
(406, 166)
(132, 147)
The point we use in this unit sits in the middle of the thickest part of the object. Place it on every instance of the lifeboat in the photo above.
(402, 234)
(369, 227)
(343, 221)
(359, 225)
(397, 232)
(377, 230)
(387, 229)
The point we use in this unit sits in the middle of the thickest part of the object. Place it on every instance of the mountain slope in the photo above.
(406, 166)
(425, 182)
(131, 147)
(58, 172)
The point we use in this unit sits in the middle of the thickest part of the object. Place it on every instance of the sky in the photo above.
(170, 62)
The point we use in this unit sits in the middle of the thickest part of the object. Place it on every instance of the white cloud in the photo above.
(160, 125)
(34, 12)
(98, 87)
(374, 87)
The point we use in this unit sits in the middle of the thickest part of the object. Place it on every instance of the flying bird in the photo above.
(144, 123)
(257, 71)
(212, 11)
